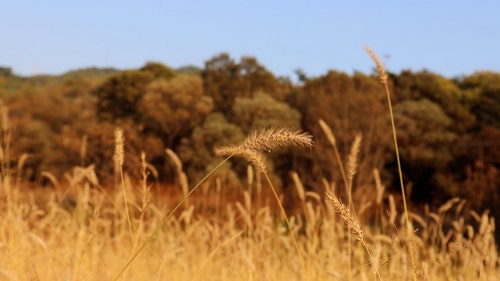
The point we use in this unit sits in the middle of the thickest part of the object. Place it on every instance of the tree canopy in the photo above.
(447, 129)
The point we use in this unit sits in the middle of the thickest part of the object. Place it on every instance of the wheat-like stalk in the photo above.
(119, 159)
(83, 150)
(270, 139)
(331, 138)
(257, 142)
(180, 172)
(328, 132)
(378, 64)
(352, 223)
(352, 163)
(119, 140)
(265, 140)
(383, 78)
(392, 210)
(345, 213)
(299, 186)
(254, 157)
(379, 186)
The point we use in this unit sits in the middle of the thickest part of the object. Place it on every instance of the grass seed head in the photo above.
(119, 140)
(378, 64)
(266, 140)
(345, 213)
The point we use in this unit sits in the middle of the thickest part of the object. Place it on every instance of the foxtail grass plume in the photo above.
(265, 140)
(345, 213)
(352, 160)
(378, 64)
(328, 132)
(178, 169)
(254, 157)
(119, 140)
(379, 186)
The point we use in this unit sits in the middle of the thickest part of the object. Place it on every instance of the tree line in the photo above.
(448, 128)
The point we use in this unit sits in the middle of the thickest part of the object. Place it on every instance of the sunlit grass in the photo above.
(136, 230)
(86, 236)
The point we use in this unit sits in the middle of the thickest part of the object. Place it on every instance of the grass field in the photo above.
(137, 230)
(84, 235)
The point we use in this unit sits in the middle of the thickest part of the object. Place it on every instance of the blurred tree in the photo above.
(61, 110)
(255, 77)
(92, 73)
(262, 111)
(482, 90)
(36, 139)
(224, 80)
(436, 88)
(158, 70)
(170, 109)
(220, 79)
(426, 141)
(196, 151)
(189, 69)
(348, 104)
(119, 95)
(5, 71)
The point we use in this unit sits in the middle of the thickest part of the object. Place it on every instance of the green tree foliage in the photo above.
(60, 113)
(220, 81)
(438, 89)
(434, 100)
(225, 80)
(89, 73)
(36, 139)
(170, 109)
(119, 95)
(481, 162)
(263, 111)
(348, 104)
(425, 131)
(482, 91)
(5, 71)
(158, 70)
(255, 77)
(196, 151)
(426, 141)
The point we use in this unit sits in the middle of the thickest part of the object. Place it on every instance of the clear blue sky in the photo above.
(451, 38)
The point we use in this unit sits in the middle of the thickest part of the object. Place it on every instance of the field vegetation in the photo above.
(230, 173)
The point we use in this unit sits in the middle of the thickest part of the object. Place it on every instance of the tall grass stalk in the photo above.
(167, 218)
(287, 221)
(265, 141)
(383, 79)
(347, 177)
(352, 223)
(331, 138)
(119, 159)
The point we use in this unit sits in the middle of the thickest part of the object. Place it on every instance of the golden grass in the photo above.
(383, 79)
(41, 238)
(352, 223)
(131, 232)
(266, 140)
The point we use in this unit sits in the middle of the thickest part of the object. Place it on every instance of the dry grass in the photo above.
(352, 223)
(383, 79)
(131, 232)
(43, 238)
(266, 140)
